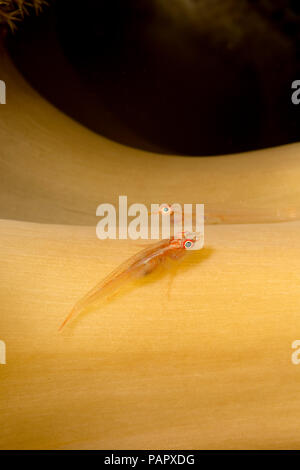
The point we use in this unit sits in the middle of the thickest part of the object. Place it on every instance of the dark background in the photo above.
(194, 77)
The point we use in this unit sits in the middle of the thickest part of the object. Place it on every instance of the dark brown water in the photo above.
(195, 77)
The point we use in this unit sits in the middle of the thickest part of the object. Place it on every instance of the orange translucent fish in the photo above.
(144, 262)
(237, 214)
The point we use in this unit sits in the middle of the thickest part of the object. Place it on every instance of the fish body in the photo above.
(234, 214)
(139, 265)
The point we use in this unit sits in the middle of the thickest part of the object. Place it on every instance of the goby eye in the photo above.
(188, 244)
(165, 209)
